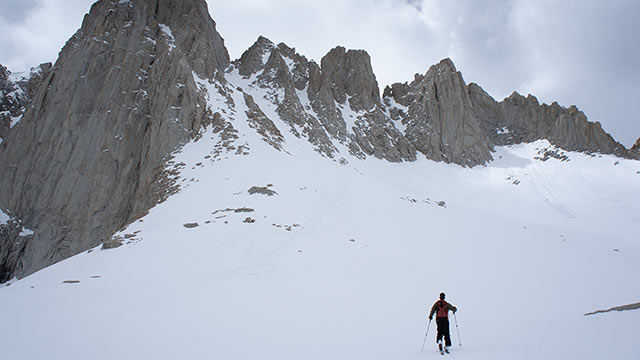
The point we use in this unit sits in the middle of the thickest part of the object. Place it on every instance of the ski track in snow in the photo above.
(523, 248)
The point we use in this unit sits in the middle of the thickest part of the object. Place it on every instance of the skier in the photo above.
(441, 309)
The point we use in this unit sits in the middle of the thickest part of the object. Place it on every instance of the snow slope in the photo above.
(345, 261)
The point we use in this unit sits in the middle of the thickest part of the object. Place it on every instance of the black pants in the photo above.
(443, 331)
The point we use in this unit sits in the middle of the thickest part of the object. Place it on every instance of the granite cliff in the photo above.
(86, 157)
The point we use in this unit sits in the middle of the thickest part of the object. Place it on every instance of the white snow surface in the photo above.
(404, 109)
(4, 217)
(290, 63)
(18, 76)
(26, 232)
(349, 115)
(345, 261)
(171, 40)
(14, 121)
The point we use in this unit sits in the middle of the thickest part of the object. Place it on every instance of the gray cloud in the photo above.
(586, 54)
(15, 11)
(35, 31)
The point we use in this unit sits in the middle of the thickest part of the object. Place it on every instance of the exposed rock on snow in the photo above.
(261, 190)
(426, 201)
(287, 227)
(262, 124)
(112, 243)
(548, 153)
(616, 308)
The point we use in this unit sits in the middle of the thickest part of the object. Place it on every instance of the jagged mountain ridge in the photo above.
(517, 119)
(138, 81)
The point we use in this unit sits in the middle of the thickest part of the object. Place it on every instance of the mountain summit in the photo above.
(140, 79)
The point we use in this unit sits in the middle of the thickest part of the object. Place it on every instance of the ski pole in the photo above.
(457, 329)
(425, 336)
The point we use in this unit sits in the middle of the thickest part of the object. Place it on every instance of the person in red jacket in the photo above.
(441, 309)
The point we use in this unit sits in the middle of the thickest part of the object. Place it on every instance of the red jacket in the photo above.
(435, 307)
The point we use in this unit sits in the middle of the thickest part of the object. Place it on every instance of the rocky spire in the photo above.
(85, 159)
(344, 91)
(256, 56)
(194, 33)
(439, 116)
(350, 74)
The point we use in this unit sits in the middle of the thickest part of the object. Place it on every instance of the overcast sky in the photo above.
(578, 52)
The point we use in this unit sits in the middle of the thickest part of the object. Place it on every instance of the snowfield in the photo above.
(345, 260)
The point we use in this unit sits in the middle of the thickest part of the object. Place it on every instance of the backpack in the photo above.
(443, 310)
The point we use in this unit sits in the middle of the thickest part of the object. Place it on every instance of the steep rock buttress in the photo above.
(86, 157)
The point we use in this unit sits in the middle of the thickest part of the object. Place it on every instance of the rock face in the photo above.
(86, 144)
(86, 156)
(438, 116)
(347, 77)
